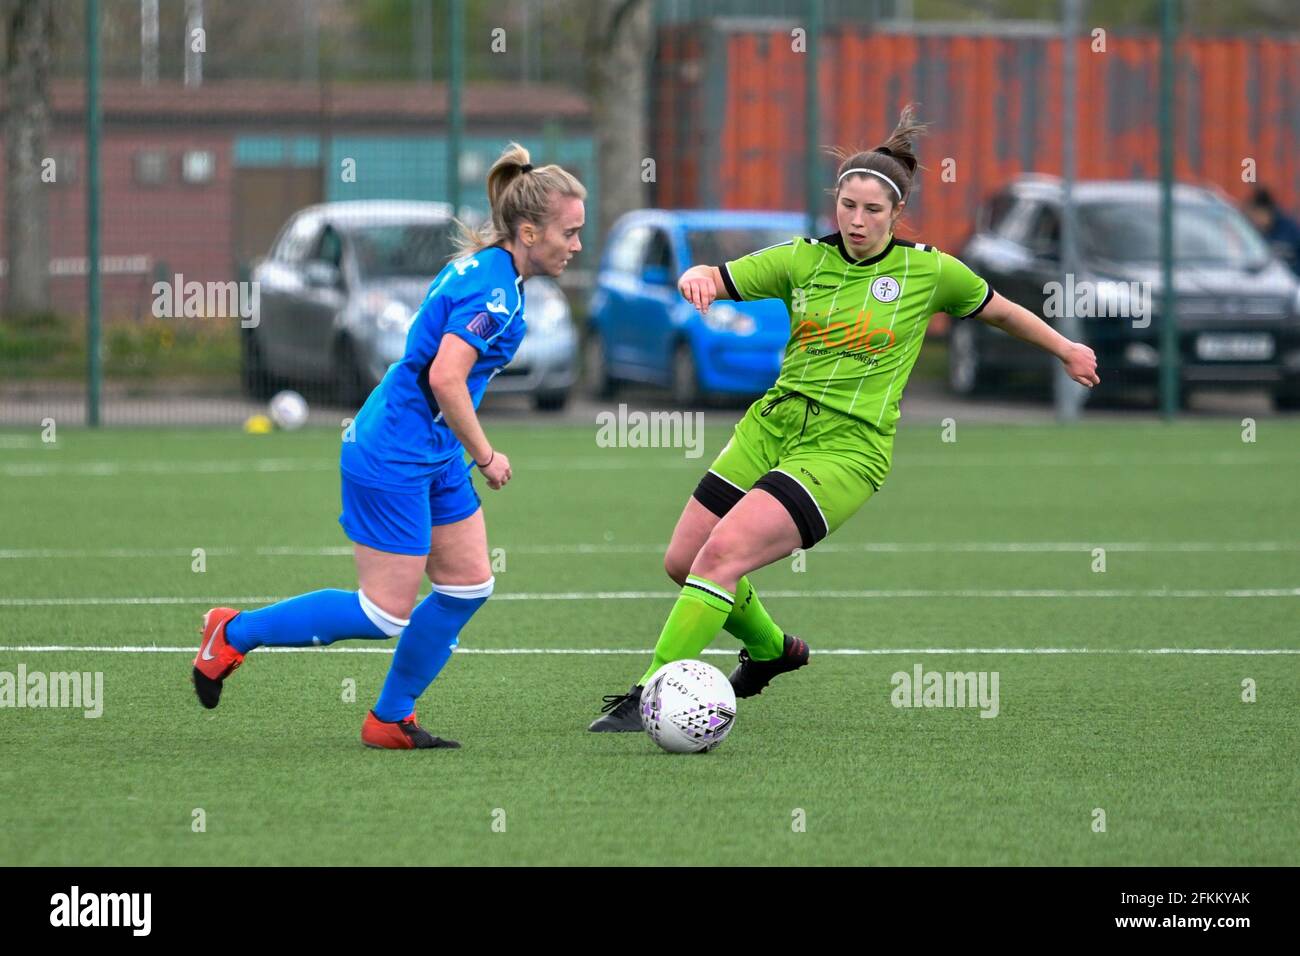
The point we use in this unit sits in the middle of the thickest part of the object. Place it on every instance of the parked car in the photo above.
(342, 284)
(1238, 307)
(642, 330)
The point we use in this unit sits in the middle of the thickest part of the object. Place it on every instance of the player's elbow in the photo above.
(443, 383)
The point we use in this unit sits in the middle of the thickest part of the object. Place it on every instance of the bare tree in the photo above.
(28, 25)
(619, 47)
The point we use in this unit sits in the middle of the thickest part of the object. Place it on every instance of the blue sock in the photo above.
(321, 617)
(426, 645)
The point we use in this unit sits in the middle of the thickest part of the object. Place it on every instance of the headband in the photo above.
(872, 172)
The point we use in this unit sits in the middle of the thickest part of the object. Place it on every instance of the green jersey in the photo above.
(856, 326)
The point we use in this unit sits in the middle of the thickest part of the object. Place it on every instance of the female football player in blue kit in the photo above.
(409, 506)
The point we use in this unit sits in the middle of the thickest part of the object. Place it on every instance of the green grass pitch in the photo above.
(983, 543)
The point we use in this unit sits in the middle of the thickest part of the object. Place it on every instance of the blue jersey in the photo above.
(399, 437)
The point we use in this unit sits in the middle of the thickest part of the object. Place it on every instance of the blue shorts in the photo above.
(399, 522)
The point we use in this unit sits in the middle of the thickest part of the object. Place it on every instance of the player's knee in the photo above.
(677, 566)
(716, 557)
(475, 574)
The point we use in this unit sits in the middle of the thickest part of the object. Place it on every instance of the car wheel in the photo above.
(965, 376)
(254, 377)
(686, 379)
(595, 367)
(550, 401)
(351, 385)
(1286, 400)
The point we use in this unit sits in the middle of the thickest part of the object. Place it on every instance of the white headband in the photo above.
(872, 172)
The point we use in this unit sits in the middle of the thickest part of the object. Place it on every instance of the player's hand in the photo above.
(698, 290)
(497, 471)
(1081, 364)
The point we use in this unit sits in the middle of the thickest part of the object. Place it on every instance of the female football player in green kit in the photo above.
(811, 451)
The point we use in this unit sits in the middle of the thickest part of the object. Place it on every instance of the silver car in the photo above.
(340, 289)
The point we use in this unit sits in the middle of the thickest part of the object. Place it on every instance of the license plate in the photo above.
(1240, 346)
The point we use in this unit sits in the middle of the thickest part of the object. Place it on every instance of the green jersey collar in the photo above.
(836, 239)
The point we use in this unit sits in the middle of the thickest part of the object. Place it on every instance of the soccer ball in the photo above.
(288, 410)
(688, 707)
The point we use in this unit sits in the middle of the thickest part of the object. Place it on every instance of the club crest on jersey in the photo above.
(483, 325)
(885, 289)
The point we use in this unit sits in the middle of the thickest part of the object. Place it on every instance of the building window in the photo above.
(151, 167)
(198, 166)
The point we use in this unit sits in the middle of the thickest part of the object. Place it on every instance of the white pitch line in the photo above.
(668, 595)
(106, 469)
(109, 469)
(843, 652)
(865, 547)
(1097, 459)
(627, 459)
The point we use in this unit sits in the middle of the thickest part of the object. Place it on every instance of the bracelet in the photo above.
(489, 461)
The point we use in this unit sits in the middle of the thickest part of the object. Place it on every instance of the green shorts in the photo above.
(822, 465)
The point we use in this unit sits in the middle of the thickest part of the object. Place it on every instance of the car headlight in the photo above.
(726, 318)
(549, 316)
(395, 317)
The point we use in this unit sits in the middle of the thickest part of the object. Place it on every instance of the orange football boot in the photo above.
(400, 735)
(216, 659)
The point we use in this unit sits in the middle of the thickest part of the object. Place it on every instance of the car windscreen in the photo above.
(715, 246)
(401, 249)
(1205, 234)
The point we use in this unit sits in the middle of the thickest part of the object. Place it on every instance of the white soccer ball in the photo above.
(688, 707)
(288, 410)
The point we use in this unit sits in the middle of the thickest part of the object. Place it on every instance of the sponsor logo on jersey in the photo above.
(857, 336)
(483, 325)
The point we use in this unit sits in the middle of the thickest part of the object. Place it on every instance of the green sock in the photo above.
(750, 623)
(694, 620)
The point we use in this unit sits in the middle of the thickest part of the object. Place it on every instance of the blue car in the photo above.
(642, 330)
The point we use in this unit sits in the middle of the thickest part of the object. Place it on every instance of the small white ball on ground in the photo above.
(688, 707)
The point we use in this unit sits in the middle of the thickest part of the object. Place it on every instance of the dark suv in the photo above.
(1238, 307)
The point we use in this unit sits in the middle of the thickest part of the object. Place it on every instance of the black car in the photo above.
(1237, 307)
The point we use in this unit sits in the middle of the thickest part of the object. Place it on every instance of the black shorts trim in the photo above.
(796, 499)
(717, 494)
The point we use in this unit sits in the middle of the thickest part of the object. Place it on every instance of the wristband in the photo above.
(489, 461)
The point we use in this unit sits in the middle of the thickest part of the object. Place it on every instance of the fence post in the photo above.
(812, 114)
(93, 370)
(1168, 318)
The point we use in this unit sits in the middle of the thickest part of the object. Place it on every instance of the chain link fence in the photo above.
(223, 121)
